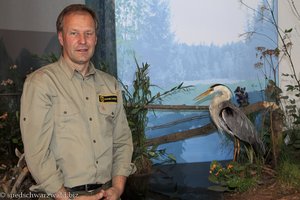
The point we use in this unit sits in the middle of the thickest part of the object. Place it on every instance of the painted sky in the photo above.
(205, 22)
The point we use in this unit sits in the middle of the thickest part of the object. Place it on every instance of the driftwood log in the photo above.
(11, 183)
(23, 172)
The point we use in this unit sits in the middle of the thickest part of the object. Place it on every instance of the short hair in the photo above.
(73, 8)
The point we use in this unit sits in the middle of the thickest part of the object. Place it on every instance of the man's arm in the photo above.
(118, 186)
(36, 123)
(122, 142)
(122, 150)
(118, 182)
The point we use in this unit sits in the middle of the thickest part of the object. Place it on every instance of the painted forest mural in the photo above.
(145, 32)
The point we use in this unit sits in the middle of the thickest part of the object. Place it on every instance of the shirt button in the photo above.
(112, 113)
(94, 141)
(90, 119)
(24, 118)
(87, 98)
(97, 162)
(65, 112)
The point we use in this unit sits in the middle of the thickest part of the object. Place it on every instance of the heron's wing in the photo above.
(236, 123)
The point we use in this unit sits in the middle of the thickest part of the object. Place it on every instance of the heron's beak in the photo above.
(203, 95)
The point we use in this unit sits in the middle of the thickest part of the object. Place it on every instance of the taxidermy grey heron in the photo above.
(231, 120)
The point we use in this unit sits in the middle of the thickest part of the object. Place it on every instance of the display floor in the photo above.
(187, 181)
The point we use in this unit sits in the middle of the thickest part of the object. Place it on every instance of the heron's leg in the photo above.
(238, 148)
(235, 149)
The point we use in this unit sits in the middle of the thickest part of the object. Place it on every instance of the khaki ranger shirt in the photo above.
(74, 128)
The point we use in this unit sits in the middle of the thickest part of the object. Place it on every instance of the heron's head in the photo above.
(218, 89)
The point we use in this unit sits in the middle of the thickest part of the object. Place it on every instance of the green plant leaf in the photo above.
(172, 157)
(284, 97)
(288, 30)
(289, 87)
(15, 141)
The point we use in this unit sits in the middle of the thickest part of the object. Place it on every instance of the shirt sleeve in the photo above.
(36, 123)
(122, 142)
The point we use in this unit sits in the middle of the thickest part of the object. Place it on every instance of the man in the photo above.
(74, 128)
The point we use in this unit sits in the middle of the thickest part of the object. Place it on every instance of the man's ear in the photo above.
(60, 38)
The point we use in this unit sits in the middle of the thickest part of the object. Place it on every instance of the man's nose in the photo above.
(82, 38)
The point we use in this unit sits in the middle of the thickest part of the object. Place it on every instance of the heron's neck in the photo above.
(216, 105)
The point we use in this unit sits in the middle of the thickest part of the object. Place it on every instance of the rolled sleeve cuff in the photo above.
(125, 170)
(51, 186)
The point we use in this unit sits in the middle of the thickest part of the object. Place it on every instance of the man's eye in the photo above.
(89, 33)
(73, 33)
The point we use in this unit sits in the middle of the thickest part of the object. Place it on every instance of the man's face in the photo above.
(78, 38)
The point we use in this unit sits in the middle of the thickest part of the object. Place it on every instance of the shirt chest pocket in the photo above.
(107, 110)
(66, 113)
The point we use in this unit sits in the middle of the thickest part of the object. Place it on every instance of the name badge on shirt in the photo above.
(108, 98)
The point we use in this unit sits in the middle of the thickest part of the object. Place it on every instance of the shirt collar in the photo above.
(71, 71)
